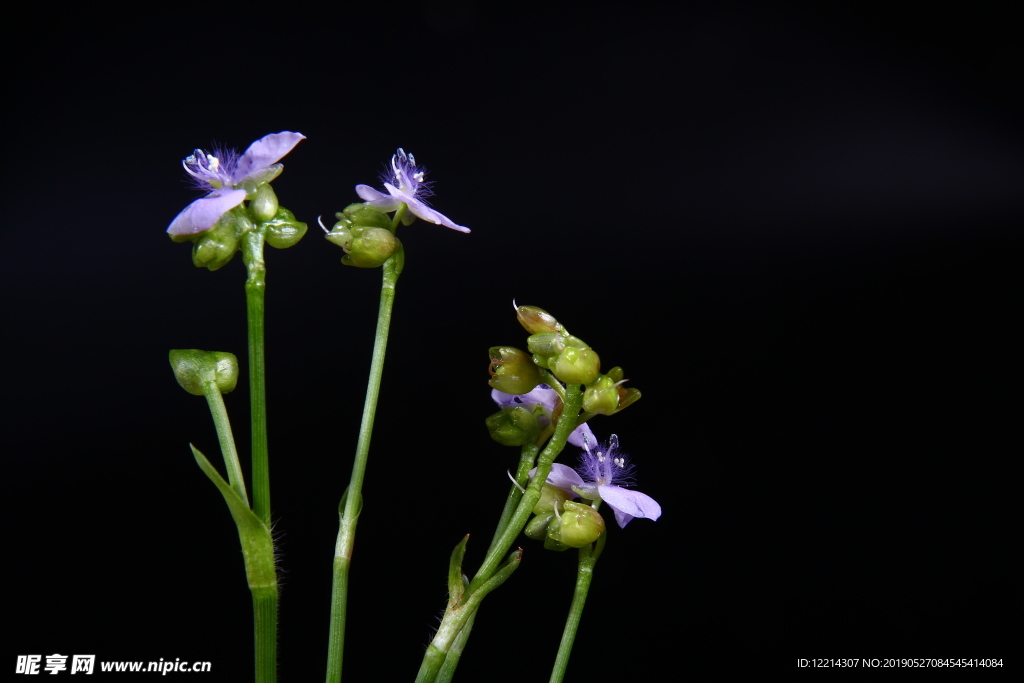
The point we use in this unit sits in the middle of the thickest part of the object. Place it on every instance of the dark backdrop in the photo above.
(794, 228)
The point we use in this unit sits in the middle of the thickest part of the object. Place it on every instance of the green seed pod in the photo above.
(513, 426)
(537, 320)
(263, 206)
(193, 368)
(512, 371)
(369, 247)
(576, 366)
(283, 231)
(216, 247)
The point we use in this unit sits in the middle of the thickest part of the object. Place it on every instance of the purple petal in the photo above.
(628, 504)
(423, 211)
(577, 437)
(542, 395)
(376, 199)
(203, 214)
(564, 477)
(266, 151)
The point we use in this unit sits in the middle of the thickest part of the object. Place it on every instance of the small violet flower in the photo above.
(221, 174)
(601, 468)
(411, 190)
(545, 397)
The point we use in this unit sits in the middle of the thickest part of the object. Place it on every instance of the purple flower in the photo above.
(221, 174)
(545, 397)
(411, 190)
(601, 468)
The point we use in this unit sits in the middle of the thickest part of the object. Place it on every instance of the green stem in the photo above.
(527, 456)
(584, 573)
(353, 500)
(566, 424)
(264, 609)
(227, 440)
(264, 596)
(451, 660)
(487, 577)
(255, 288)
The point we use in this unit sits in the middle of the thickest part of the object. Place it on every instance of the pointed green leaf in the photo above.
(456, 580)
(257, 544)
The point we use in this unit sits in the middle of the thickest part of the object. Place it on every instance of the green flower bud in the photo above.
(550, 498)
(369, 247)
(216, 247)
(601, 397)
(513, 426)
(546, 343)
(576, 366)
(578, 526)
(537, 320)
(264, 205)
(367, 217)
(282, 231)
(341, 233)
(193, 368)
(512, 370)
(537, 528)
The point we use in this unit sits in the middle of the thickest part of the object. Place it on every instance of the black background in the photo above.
(793, 226)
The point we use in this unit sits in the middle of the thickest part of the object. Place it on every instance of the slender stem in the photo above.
(255, 287)
(353, 500)
(527, 456)
(566, 424)
(451, 660)
(584, 573)
(454, 621)
(264, 597)
(227, 440)
(264, 609)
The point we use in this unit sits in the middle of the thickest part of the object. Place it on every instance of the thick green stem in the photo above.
(264, 609)
(584, 573)
(255, 287)
(353, 500)
(227, 440)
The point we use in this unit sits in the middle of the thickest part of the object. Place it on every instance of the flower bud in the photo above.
(537, 320)
(282, 231)
(578, 526)
(513, 426)
(193, 368)
(550, 498)
(537, 528)
(601, 397)
(576, 366)
(361, 214)
(214, 248)
(546, 343)
(369, 247)
(264, 205)
(512, 371)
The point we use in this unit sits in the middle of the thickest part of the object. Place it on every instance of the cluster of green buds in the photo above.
(214, 248)
(568, 357)
(365, 235)
(571, 360)
(562, 523)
